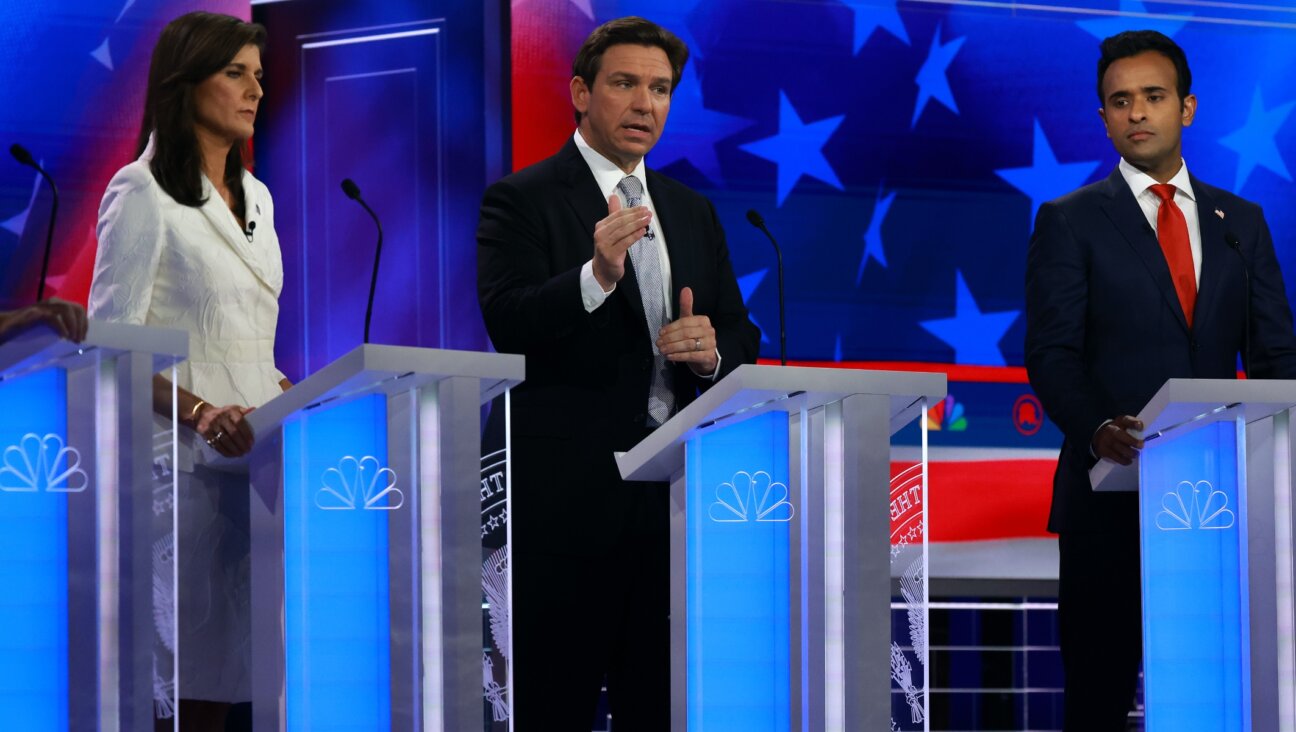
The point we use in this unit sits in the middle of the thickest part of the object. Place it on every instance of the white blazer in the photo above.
(164, 264)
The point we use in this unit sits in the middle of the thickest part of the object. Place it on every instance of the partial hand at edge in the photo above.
(1114, 442)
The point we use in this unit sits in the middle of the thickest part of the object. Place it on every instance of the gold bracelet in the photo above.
(193, 413)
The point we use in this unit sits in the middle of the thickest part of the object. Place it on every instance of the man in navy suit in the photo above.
(1131, 281)
(614, 281)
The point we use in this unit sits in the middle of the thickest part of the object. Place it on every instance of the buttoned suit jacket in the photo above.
(588, 374)
(1105, 328)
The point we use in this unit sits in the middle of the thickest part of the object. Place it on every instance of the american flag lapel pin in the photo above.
(1220, 214)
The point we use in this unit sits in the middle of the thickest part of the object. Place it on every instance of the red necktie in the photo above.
(1172, 232)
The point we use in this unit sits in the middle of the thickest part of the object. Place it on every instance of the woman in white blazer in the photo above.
(187, 240)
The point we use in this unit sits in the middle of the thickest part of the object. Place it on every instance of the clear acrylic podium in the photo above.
(788, 522)
(366, 548)
(1215, 517)
(87, 496)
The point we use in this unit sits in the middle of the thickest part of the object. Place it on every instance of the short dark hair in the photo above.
(1133, 43)
(631, 30)
(191, 48)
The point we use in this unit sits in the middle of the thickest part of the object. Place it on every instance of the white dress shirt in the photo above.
(1140, 184)
(607, 175)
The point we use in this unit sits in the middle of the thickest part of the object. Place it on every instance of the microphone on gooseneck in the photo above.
(353, 192)
(756, 220)
(21, 154)
(1231, 239)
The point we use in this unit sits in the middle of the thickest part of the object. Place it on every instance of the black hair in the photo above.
(1133, 43)
(191, 48)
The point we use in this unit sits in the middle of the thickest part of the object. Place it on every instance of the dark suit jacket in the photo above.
(1104, 328)
(588, 374)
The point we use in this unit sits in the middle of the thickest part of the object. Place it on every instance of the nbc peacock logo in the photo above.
(38, 464)
(947, 415)
(751, 497)
(359, 485)
(1195, 506)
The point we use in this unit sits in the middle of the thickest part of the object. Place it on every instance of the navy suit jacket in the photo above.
(1104, 328)
(588, 374)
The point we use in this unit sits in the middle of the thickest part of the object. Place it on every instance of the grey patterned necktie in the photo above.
(648, 273)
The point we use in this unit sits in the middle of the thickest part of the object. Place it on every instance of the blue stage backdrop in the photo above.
(404, 98)
(900, 149)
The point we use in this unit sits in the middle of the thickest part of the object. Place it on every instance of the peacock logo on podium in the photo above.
(359, 485)
(751, 497)
(1195, 506)
(42, 464)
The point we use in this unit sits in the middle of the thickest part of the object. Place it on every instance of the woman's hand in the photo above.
(225, 429)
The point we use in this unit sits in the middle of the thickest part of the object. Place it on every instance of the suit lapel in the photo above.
(224, 223)
(1128, 218)
(1213, 250)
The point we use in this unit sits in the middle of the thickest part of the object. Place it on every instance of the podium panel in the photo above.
(366, 609)
(87, 506)
(338, 491)
(40, 470)
(1215, 522)
(789, 536)
(738, 518)
(1192, 505)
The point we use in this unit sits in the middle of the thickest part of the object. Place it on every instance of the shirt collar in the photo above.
(606, 173)
(1139, 182)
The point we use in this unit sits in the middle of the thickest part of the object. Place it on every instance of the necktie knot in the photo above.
(633, 190)
(1164, 191)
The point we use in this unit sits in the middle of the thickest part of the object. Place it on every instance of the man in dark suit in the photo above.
(614, 281)
(1131, 281)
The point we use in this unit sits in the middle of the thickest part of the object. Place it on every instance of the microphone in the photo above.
(21, 154)
(756, 220)
(251, 228)
(1231, 239)
(352, 192)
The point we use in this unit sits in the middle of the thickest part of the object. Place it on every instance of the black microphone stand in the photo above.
(22, 156)
(758, 222)
(353, 192)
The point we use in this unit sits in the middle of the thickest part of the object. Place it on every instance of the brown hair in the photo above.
(191, 49)
(630, 30)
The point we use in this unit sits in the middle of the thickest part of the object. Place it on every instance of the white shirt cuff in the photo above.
(711, 376)
(1093, 454)
(592, 294)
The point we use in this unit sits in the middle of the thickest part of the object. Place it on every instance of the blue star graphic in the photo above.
(873, 237)
(684, 33)
(974, 335)
(872, 14)
(584, 6)
(797, 149)
(1133, 15)
(1046, 178)
(747, 285)
(931, 80)
(1255, 144)
(695, 130)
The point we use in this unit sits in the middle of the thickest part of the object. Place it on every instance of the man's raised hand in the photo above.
(612, 239)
